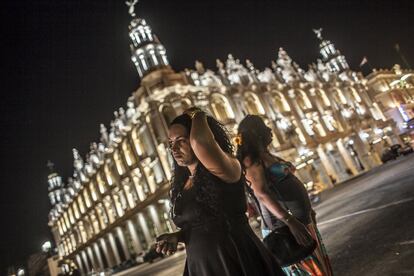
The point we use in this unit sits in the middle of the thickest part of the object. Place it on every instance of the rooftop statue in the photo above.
(104, 134)
(89, 169)
(94, 155)
(132, 113)
(119, 124)
(266, 75)
(122, 116)
(199, 67)
(322, 70)
(220, 67)
(235, 71)
(101, 152)
(79, 165)
(77, 159)
(318, 33)
(131, 4)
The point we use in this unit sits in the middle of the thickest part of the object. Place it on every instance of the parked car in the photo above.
(406, 150)
(394, 151)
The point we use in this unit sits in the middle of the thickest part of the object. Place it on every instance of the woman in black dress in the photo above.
(209, 205)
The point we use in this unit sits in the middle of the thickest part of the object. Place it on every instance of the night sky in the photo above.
(66, 67)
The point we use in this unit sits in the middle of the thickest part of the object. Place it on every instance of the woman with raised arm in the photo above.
(283, 199)
(209, 204)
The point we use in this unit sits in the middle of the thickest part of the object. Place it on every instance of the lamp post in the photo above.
(355, 154)
(21, 272)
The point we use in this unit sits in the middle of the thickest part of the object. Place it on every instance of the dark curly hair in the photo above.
(255, 137)
(205, 183)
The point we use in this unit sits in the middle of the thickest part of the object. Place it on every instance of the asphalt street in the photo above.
(367, 224)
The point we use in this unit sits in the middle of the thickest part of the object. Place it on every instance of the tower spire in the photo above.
(332, 57)
(147, 53)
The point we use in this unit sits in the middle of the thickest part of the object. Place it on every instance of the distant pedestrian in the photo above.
(209, 204)
(276, 189)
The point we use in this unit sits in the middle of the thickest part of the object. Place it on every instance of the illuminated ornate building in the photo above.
(393, 90)
(325, 120)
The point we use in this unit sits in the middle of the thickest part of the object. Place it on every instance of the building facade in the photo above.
(326, 120)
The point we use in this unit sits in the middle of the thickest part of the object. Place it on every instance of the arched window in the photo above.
(140, 184)
(60, 228)
(103, 219)
(339, 97)
(120, 167)
(110, 208)
(157, 127)
(354, 95)
(101, 183)
(129, 155)
(221, 108)
(71, 217)
(130, 193)
(323, 98)
(303, 100)
(142, 141)
(81, 205)
(108, 174)
(168, 113)
(94, 221)
(76, 210)
(87, 198)
(280, 102)
(186, 104)
(119, 202)
(253, 104)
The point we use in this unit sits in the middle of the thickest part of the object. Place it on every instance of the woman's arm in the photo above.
(208, 152)
(256, 175)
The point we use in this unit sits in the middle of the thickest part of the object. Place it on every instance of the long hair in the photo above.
(204, 182)
(255, 138)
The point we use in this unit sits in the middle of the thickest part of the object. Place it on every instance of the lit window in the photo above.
(108, 175)
(253, 104)
(221, 108)
(131, 195)
(129, 155)
(110, 209)
(81, 205)
(75, 210)
(119, 163)
(140, 185)
(87, 198)
(101, 183)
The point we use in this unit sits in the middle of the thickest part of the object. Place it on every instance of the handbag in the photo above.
(281, 242)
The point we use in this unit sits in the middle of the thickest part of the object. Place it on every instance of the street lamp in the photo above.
(355, 154)
(20, 272)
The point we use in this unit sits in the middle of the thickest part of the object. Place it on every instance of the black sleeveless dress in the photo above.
(221, 244)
